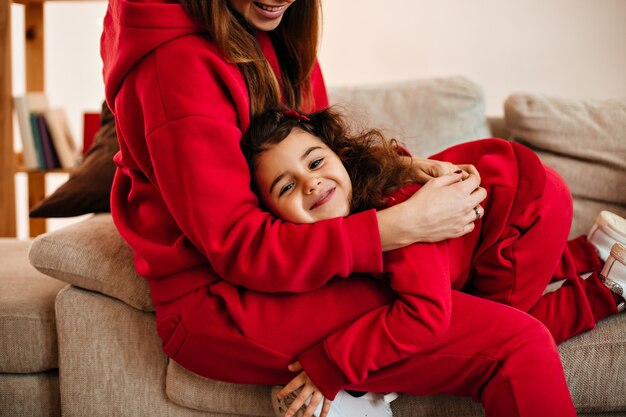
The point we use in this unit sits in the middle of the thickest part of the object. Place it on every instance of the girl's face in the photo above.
(302, 181)
(262, 15)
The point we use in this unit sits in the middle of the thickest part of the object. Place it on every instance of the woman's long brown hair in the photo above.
(374, 163)
(295, 40)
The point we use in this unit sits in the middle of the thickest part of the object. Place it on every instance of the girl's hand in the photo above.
(307, 389)
(445, 207)
(428, 169)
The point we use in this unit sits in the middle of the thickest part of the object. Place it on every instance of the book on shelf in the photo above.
(24, 106)
(62, 137)
(34, 130)
(47, 140)
(50, 158)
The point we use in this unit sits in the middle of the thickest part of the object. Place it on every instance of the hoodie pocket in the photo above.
(172, 333)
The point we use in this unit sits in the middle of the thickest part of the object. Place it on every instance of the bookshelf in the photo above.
(9, 163)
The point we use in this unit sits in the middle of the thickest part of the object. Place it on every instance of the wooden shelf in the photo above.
(34, 45)
(44, 171)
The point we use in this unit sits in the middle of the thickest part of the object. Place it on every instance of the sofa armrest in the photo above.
(92, 255)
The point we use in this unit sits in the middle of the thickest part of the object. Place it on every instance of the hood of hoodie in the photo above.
(133, 29)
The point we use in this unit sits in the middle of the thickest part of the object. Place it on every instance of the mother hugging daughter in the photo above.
(350, 296)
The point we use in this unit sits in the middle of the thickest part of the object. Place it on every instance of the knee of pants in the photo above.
(533, 346)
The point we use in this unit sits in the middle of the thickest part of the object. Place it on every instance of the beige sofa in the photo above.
(109, 356)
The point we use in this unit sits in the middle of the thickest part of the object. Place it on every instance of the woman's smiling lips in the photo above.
(270, 12)
(324, 198)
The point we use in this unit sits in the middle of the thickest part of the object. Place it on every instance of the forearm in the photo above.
(393, 233)
(420, 277)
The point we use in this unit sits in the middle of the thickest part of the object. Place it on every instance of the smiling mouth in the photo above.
(324, 198)
(271, 9)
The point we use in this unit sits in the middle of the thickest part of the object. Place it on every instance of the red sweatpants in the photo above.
(496, 354)
(521, 243)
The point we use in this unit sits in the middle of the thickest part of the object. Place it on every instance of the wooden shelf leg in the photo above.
(36, 193)
(34, 21)
(7, 160)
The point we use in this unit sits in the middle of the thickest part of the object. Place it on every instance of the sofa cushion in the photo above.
(28, 341)
(594, 366)
(89, 186)
(32, 395)
(92, 255)
(426, 116)
(584, 140)
(193, 391)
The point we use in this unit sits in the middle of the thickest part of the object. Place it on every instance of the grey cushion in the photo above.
(427, 115)
(594, 366)
(32, 395)
(92, 255)
(584, 140)
(111, 360)
(28, 341)
(193, 391)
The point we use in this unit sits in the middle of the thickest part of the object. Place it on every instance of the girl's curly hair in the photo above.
(374, 164)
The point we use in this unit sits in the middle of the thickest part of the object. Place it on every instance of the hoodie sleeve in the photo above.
(205, 183)
(420, 275)
(183, 134)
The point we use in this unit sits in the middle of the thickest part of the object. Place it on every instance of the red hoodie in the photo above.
(181, 195)
(181, 199)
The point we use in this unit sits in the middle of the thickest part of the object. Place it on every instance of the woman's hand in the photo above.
(307, 390)
(428, 169)
(445, 207)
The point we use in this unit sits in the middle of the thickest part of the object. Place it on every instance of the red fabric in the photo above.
(359, 334)
(91, 124)
(521, 245)
(495, 354)
(181, 195)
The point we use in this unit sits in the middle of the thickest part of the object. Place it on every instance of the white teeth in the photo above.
(269, 8)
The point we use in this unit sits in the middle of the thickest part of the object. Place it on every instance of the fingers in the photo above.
(295, 367)
(298, 402)
(293, 385)
(470, 169)
(468, 228)
(325, 408)
(478, 196)
(304, 390)
(448, 179)
(476, 214)
(316, 398)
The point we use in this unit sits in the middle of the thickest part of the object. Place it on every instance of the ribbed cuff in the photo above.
(367, 252)
(322, 370)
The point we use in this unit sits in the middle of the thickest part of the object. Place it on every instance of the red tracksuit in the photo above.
(236, 301)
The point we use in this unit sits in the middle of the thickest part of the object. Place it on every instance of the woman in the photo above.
(183, 82)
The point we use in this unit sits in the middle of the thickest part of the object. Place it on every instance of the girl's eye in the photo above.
(285, 189)
(316, 163)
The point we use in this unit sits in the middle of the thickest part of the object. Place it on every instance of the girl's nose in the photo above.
(312, 184)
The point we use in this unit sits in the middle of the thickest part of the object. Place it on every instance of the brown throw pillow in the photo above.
(88, 188)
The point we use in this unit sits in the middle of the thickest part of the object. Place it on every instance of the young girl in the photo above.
(308, 168)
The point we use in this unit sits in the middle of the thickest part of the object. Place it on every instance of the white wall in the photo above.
(570, 48)
(567, 48)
